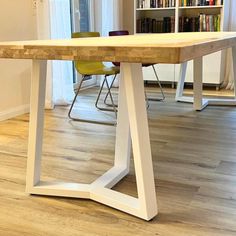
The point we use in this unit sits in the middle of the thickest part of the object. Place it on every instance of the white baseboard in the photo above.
(13, 112)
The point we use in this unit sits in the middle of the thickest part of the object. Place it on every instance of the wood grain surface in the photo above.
(194, 164)
(146, 48)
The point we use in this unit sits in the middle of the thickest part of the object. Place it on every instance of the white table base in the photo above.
(132, 127)
(198, 102)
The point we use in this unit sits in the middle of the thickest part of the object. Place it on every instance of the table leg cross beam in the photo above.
(97, 191)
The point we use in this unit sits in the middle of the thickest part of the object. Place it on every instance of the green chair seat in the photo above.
(95, 68)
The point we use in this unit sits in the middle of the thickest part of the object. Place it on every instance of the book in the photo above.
(147, 4)
(186, 3)
(203, 22)
(159, 25)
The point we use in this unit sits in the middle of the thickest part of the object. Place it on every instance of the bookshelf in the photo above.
(176, 16)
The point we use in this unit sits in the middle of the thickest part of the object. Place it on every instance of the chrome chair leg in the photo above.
(115, 105)
(105, 99)
(85, 120)
(76, 95)
(112, 101)
(147, 101)
(159, 83)
(108, 93)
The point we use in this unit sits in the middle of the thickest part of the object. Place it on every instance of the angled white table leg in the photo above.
(36, 125)
(140, 139)
(123, 143)
(198, 102)
(132, 124)
(132, 112)
(37, 101)
(180, 86)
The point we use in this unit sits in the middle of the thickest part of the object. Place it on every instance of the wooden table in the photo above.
(132, 123)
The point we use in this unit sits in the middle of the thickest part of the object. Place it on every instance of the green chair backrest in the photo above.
(87, 67)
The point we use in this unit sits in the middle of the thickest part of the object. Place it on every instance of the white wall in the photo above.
(17, 22)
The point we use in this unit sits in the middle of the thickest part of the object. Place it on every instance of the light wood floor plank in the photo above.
(194, 164)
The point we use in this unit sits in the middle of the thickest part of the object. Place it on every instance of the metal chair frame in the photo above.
(96, 103)
(147, 98)
(159, 83)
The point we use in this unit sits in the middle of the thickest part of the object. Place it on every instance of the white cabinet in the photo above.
(166, 72)
(176, 17)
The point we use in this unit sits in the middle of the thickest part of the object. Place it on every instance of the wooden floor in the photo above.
(194, 163)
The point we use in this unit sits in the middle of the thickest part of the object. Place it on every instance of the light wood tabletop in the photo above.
(146, 48)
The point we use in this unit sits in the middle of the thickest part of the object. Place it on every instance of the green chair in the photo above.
(89, 68)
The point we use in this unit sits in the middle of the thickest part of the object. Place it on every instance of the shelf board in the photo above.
(173, 8)
(156, 9)
(200, 7)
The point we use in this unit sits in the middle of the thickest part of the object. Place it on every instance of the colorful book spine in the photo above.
(155, 3)
(207, 23)
(186, 3)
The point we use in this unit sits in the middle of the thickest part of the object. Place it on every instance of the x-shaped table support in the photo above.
(131, 132)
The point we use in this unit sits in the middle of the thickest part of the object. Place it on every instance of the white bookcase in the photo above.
(213, 64)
